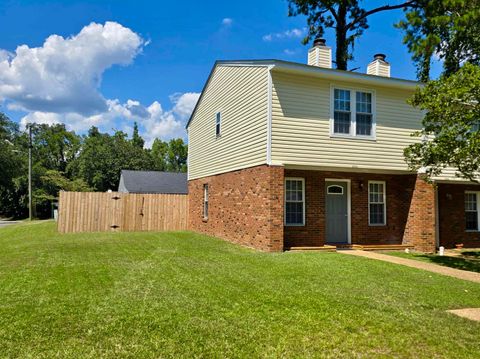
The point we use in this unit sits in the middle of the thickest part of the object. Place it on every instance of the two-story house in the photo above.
(284, 154)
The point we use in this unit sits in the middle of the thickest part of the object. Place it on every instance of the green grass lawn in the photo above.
(156, 295)
(469, 260)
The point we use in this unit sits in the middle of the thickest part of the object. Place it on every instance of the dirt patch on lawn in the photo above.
(469, 313)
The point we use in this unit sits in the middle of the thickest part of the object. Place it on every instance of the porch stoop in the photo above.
(361, 247)
(325, 248)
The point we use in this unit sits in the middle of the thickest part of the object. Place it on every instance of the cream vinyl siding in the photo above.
(240, 94)
(301, 126)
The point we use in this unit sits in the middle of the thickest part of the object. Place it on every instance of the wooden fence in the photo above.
(122, 212)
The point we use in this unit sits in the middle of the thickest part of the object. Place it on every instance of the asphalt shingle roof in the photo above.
(153, 182)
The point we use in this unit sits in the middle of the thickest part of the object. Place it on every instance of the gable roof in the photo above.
(153, 182)
(315, 71)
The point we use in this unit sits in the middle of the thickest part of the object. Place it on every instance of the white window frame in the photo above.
(353, 112)
(384, 183)
(285, 201)
(218, 123)
(205, 201)
(478, 211)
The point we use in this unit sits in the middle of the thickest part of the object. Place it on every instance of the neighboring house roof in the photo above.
(153, 182)
(316, 71)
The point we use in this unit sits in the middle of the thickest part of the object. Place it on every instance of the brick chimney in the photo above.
(320, 54)
(379, 66)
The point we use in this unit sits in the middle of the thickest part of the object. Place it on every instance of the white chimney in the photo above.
(379, 67)
(320, 54)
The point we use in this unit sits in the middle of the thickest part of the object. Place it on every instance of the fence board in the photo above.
(103, 212)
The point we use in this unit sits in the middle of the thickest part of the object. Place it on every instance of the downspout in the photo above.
(269, 114)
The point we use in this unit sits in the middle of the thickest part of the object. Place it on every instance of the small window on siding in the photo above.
(218, 124)
(377, 211)
(294, 202)
(342, 117)
(205, 201)
(472, 211)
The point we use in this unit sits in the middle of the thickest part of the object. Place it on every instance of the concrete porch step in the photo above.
(325, 248)
(376, 247)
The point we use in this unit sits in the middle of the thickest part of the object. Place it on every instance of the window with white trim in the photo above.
(472, 211)
(353, 119)
(342, 116)
(294, 201)
(377, 209)
(364, 114)
(218, 124)
(205, 201)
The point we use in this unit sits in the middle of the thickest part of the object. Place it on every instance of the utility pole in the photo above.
(29, 126)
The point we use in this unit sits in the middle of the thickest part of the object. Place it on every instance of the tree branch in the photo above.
(332, 11)
(411, 3)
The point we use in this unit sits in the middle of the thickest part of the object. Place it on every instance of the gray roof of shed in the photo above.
(153, 182)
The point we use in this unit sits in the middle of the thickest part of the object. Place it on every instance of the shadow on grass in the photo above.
(469, 264)
(475, 254)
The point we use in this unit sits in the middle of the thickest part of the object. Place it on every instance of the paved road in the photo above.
(6, 223)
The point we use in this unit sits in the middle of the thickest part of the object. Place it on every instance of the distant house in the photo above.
(153, 182)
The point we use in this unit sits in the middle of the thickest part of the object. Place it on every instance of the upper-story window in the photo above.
(353, 113)
(218, 124)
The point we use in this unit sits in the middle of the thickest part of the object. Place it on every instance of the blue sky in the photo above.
(179, 43)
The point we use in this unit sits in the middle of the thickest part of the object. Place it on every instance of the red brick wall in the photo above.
(399, 193)
(420, 229)
(451, 200)
(245, 207)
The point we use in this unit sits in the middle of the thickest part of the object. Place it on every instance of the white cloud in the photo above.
(227, 21)
(64, 74)
(287, 34)
(59, 82)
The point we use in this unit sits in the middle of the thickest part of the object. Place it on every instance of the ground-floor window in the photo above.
(377, 210)
(205, 201)
(472, 211)
(294, 201)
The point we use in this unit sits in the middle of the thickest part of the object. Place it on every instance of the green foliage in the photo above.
(348, 18)
(170, 156)
(137, 140)
(159, 154)
(448, 29)
(65, 161)
(185, 295)
(102, 157)
(451, 125)
(13, 164)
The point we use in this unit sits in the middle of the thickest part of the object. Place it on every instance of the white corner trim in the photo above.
(269, 114)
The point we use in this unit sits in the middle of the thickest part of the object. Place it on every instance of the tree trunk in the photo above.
(341, 52)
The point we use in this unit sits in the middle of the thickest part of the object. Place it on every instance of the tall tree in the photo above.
(447, 29)
(177, 155)
(13, 169)
(159, 154)
(347, 17)
(137, 140)
(451, 126)
(103, 157)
